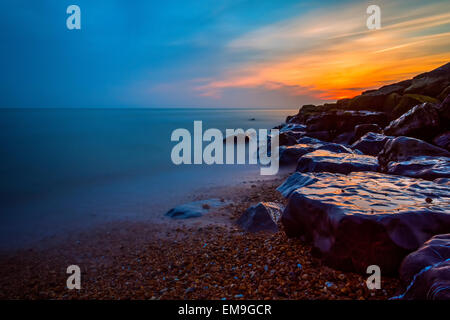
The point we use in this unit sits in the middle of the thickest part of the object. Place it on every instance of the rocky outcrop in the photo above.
(289, 155)
(371, 143)
(422, 121)
(443, 140)
(295, 181)
(362, 129)
(261, 217)
(426, 272)
(428, 168)
(195, 209)
(404, 148)
(327, 161)
(430, 83)
(361, 219)
(343, 121)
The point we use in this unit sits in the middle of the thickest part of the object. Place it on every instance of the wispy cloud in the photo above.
(331, 54)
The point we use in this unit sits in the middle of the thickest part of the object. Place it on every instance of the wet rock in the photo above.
(343, 121)
(327, 161)
(261, 217)
(443, 140)
(361, 219)
(375, 99)
(426, 272)
(405, 148)
(428, 168)
(362, 129)
(293, 127)
(431, 83)
(422, 122)
(371, 143)
(195, 209)
(294, 182)
(287, 138)
(290, 154)
(344, 138)
(408, 101)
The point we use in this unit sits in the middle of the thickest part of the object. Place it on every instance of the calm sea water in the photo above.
(63, 169)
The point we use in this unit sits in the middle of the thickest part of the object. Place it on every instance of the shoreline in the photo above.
(201, 258)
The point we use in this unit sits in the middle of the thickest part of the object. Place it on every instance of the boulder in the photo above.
(405, 148)
(376, 99)
(293, 127)
(343, 121)
(195, 209)
(431, 83)
(426, 167)
(290, 154)
(407, 102)
(344, 138)
(362, 129)
(426, 271)
(443, 140)
(294, 182)
(261, 217)
(287, 138)
(327, 161)
(422, 122)
(362, 219)
(371, 143)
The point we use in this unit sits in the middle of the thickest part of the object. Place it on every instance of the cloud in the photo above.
(330, 54)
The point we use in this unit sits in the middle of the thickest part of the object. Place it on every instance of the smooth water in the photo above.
(68, 168)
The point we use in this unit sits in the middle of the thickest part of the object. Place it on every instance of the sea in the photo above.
(65, 170)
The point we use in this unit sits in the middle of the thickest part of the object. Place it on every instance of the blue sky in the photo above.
(174, 53)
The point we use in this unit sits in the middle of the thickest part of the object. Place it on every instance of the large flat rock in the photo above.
(366, 218)
(328, 161)
(426, 272)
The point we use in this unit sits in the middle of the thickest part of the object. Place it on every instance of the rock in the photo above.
(287, 138)
(294, 182)
(375, 99)
(344, 138)
(362, 129)
(422, 122)
(343, 121)
(443, 140)
(290, 154)
(361, 219)
(431, 83)
(262, 217)
(320, 135)
(294, 127)
(195, 209)
(426, 272)
(327, 161)
(371, 143)
(408, 101)
(426, 167)
(404, 148)
(444, 113)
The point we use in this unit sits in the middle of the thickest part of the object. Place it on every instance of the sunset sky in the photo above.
(229, 53)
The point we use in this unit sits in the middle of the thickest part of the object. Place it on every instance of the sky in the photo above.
(205, 53)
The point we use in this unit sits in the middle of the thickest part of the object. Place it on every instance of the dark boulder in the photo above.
(426, 167)
(421, 122)
(371, 143)
(195, 209)
(443, 140)
(344, 138)
(431, 83)
(407, 102)
(362, 129)
(426, 271)
(261, 217)
(295, 181)
(290, 154)
(404, 148)
(327, 161)
(343, 121)
(368, 218)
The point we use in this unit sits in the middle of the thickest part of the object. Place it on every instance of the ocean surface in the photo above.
(66, 169)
